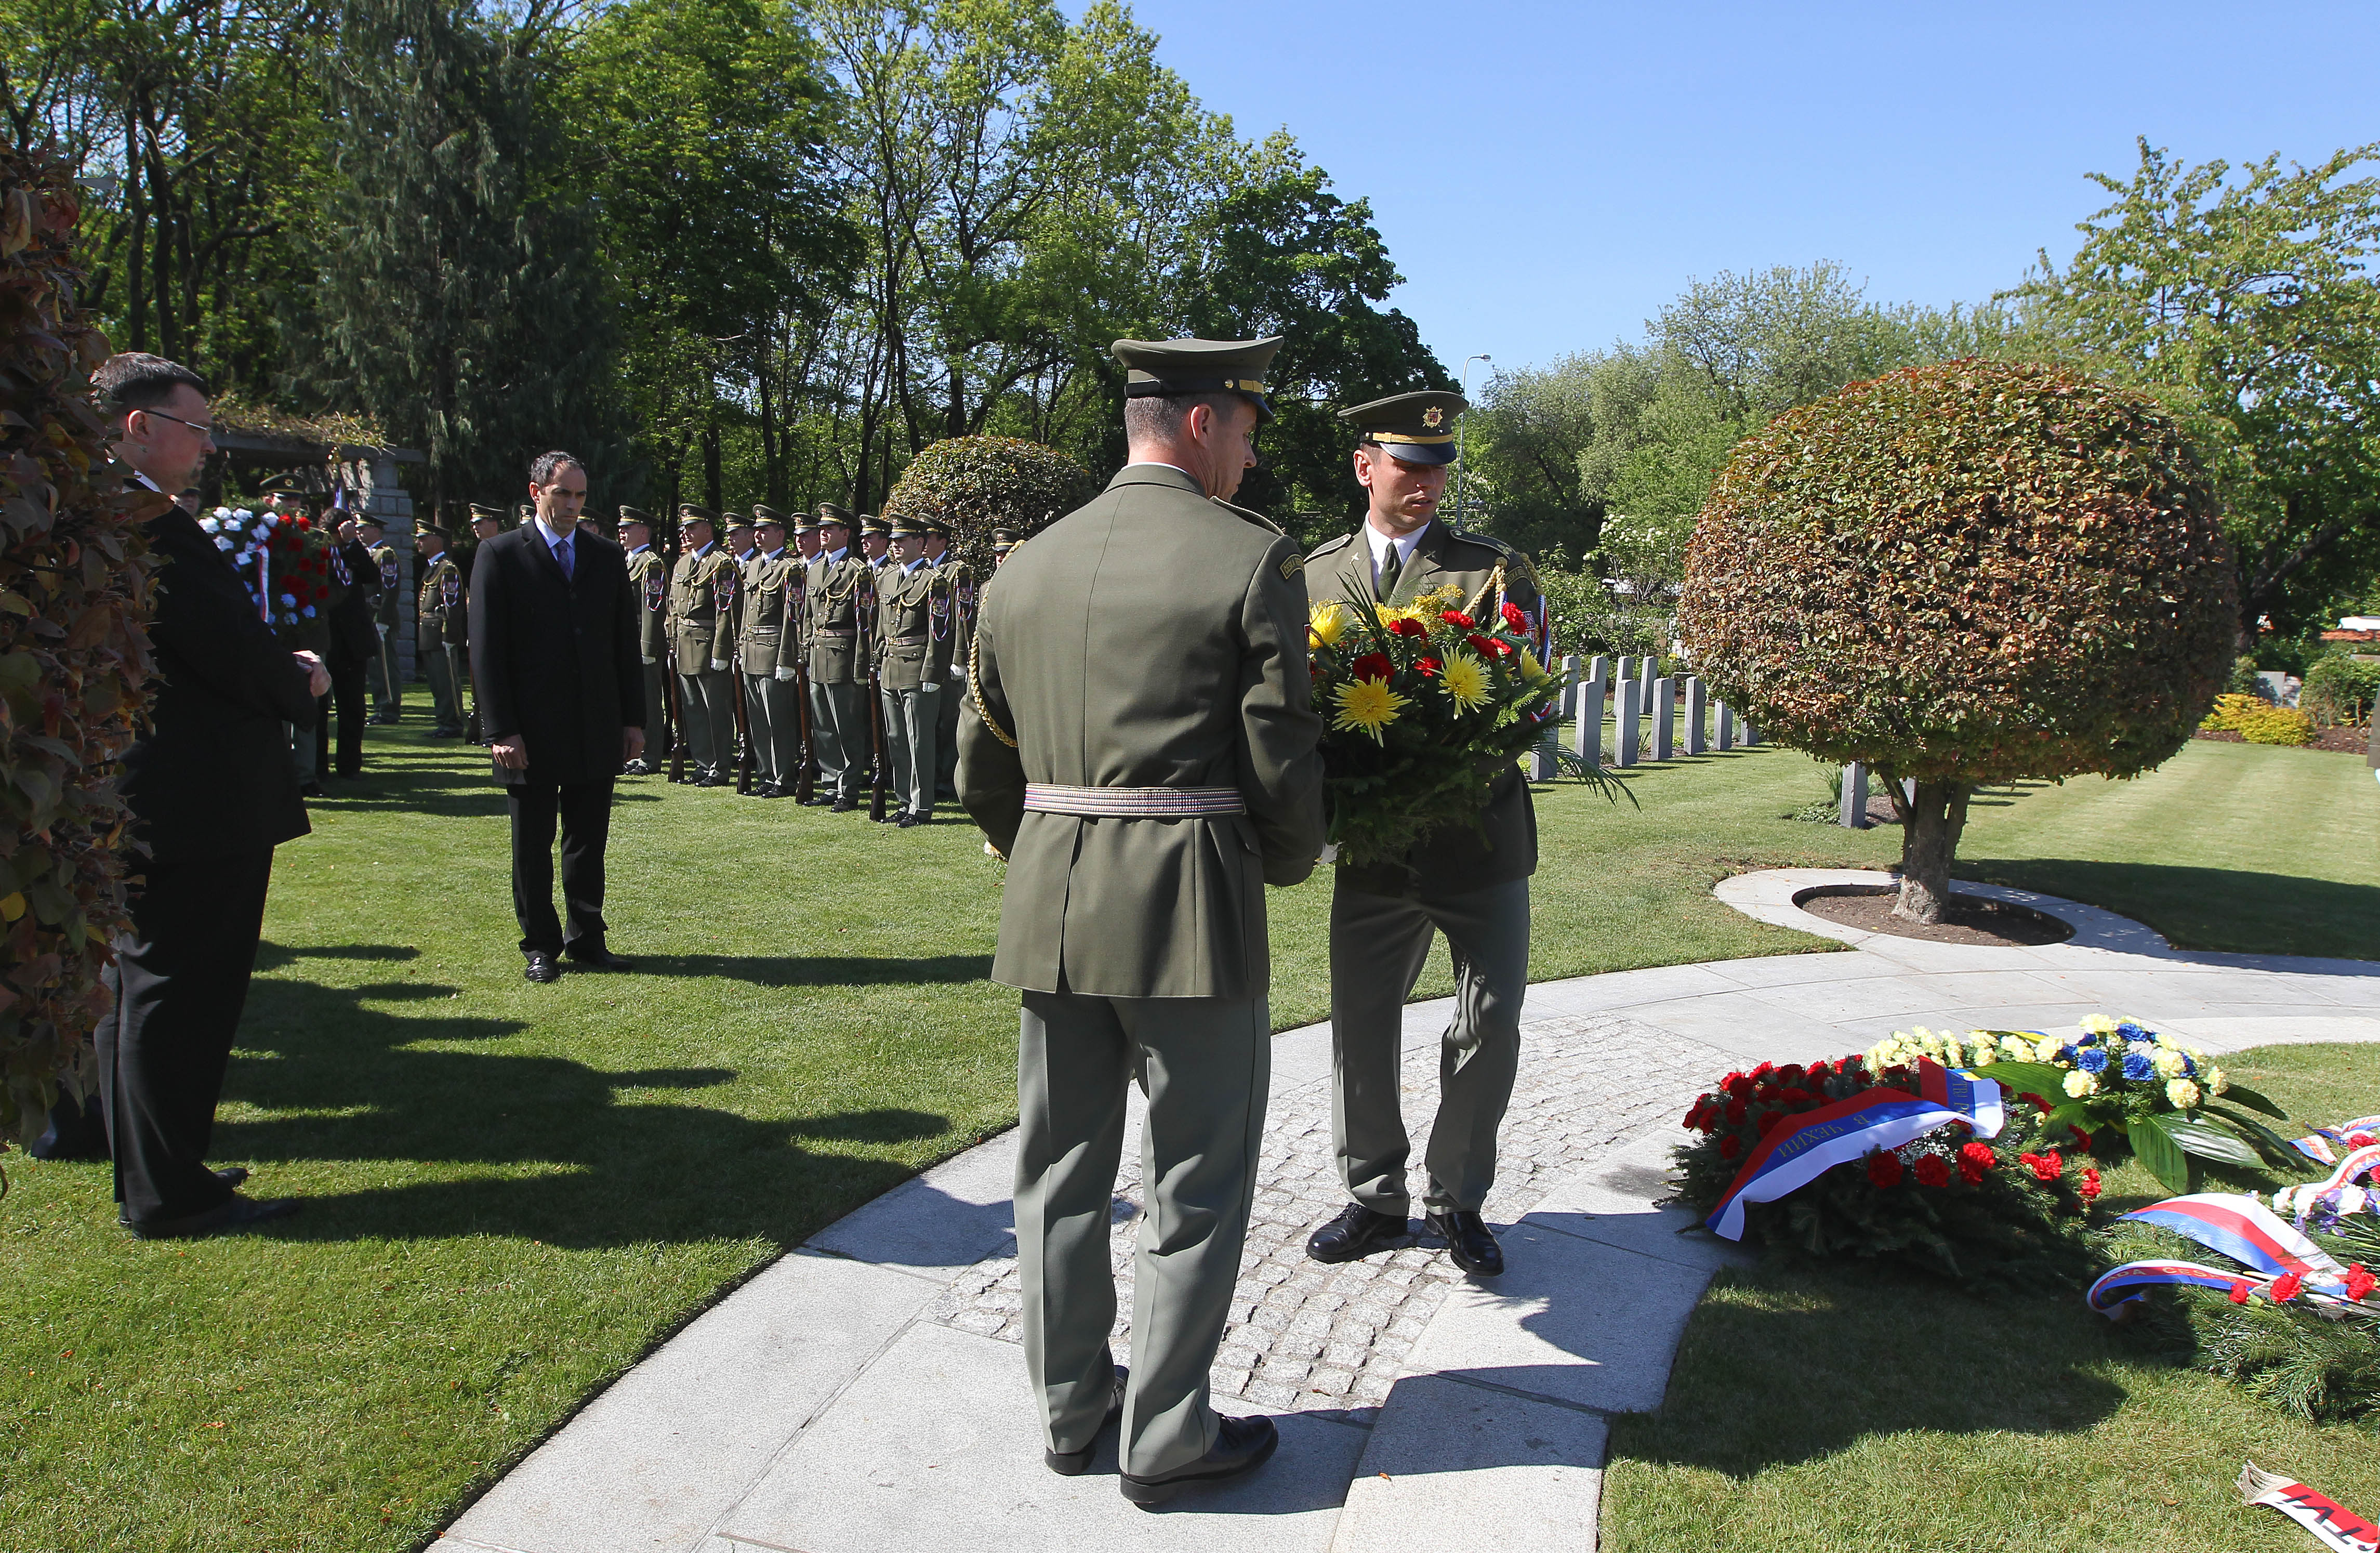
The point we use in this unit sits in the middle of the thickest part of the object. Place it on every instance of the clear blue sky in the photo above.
(1546, 176)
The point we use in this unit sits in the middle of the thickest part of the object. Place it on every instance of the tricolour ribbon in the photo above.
(2315, 1146)
(2121, 1285)
(2245, 1230)
(2336, 1527)
(1797, 1152)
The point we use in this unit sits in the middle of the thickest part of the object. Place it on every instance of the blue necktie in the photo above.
(562, 553)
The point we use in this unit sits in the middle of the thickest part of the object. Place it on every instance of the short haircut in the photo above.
(542, 469)
(137, 381)
(1157, 417)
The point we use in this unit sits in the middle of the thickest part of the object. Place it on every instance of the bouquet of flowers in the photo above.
(1422, 704)
(278, 556)
(2125, 1084)
(2012, 1203)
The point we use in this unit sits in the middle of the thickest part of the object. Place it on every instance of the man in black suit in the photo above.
(354, 588)
(210, 785)
(562, 699)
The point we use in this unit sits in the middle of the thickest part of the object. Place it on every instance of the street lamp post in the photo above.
(1461, 488)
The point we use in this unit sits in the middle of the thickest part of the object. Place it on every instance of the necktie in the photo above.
(1391, 565)
(562, 553)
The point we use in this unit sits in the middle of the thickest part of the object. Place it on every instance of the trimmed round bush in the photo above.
(1964, 574)
(976, 484)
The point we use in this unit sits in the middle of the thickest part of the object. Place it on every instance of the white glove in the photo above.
(930, 688)
(1329, 853)
(649, 658)
(719, 665)
(788, 674)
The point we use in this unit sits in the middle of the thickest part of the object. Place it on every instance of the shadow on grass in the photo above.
(2223, 910)
(1780, 1366)
(822, 970)
(478, 1142)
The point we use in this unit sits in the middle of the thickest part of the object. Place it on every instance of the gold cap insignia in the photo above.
(1433, 417)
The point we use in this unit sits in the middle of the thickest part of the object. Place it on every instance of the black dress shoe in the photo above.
(908, 822)
(1357, 1231)
(1242, 1445)
(311, 790)
(705, 780)
(232, 1175)
(541, 968)
(233, 1216)
(772, 791)
(844, 806)
(814, 800)
(598, 958)
(1469, 1241)
(1073, 1463)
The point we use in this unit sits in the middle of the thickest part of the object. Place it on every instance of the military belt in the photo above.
(917, 640)
(838, 630)
(1132, 803)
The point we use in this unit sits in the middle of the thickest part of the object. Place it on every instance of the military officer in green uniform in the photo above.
(1140, 743)
(648, 582)
(439, 632)
(831, 622)
(913, 663)
(1473, 891)
(702, 636)
(875, 540)
(958, 626)
(765, 643)
(739, 537)
(1003, 540)
(388, 684)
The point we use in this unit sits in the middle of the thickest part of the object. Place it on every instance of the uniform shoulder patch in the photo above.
(1291, 564)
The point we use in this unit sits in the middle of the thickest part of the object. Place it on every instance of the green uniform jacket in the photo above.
(760, 614)
(913, 628)
(1150, 638)
(1452, 860)
(384, 584)
(696, 619)
(648, 580)
(832, 622)
(440, 624)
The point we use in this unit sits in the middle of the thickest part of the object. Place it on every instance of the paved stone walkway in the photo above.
(867, 1392)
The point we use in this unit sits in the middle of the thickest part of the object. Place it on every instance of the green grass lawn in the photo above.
(515, 1191)
(1843, 1412)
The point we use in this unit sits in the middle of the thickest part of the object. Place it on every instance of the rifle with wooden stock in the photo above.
(797, 603)
(868, 631)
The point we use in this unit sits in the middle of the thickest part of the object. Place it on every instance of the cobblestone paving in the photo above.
(1307, 1337)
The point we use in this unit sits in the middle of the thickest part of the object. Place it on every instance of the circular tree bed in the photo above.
(1974, 919)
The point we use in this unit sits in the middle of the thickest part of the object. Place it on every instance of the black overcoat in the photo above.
(210, 776)
(553, 659)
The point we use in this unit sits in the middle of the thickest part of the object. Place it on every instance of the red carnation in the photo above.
(1693, 1118)
(2046, 1166)
(1513, 619)
(1735, 1112)
(2238, 1295)
(1729, 1081)
(1793, 1095)
(1372, 665)
(1933, 1171)
(1884, 1168)
(1407, 628)
(2285, 1288)
(1427, 667)
(1769, 1120)
(2359, 1282)
(2360, 1140)
(2090, 1187)
(1457, 618)
(1739, 1084)
(2082, 1138)
(1789, 1073)
(1975, 1159)
(1729, 1147)
(2038, 1103)
(1763, 1071)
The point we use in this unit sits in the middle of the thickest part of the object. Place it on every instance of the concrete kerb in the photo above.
(1500, 1406)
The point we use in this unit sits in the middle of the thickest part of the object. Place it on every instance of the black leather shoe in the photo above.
(1242, 1445)
(1469, 1241)
(1073, 1463)
(844, 806)
(908, 822)
(311, 790)
(710, 782)
(814, 800)
(1357, 1231)
(232, 1175)
(541, 967)
(234, 1216)
(772, 791)
(598, 958)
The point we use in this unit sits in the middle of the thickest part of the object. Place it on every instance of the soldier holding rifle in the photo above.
(765, 644)
(439, 630)
(702, 632)
(913, 665)
(648, 580)
(831, 620)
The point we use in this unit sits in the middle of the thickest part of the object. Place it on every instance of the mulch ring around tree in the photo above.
(2344, 740)
(1965, 918)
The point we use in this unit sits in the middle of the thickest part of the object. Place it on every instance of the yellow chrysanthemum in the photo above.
(1327, 624)
(1464, 680)
(1532, 671)
(1366, 705)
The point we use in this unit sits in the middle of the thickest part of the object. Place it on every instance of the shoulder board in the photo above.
(1259, 519)
(1485, 541)
(1329, 547)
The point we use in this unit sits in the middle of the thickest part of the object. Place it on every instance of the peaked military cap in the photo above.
(905, 528)
(1003, 540)
(1160, 369)
(636, 515)
(805, 523)
(283, 486)
(939, 527)
(871, 523)
(689, 512)
(1411, 428)
(526, 511)
(364, 518)
(424, 531)
(761, 513)
(829, 512)
(736, 520)
(481, 512)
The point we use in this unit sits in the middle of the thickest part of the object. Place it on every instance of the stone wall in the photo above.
(377, 491)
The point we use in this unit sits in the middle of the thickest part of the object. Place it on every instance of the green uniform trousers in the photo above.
(946, 736)
(1205, 1064)
(912, 722)
(446, 705)
(656, 712)
(769, 706)
(387, 690)
(1379, 944)
(709, 701)
(838, 733)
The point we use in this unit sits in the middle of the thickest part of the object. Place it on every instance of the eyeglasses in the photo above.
(207, 430)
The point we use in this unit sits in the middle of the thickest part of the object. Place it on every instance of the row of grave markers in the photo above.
(1635, 691)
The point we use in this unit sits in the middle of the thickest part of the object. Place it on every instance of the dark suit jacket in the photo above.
(353, 639)
(212, 776)
(553, 659)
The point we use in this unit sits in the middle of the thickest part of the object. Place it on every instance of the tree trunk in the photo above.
(1930, 824)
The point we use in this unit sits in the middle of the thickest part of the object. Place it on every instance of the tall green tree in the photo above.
(460, 298)
(2245, 299)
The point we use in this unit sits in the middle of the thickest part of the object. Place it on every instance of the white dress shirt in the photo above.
(1404, 547)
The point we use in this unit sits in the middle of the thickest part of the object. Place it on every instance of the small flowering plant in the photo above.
(1947, 1202)
(2126, 1085)
(1422, 704)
